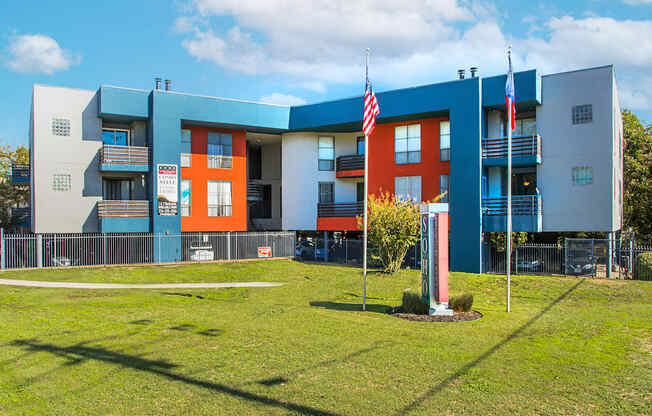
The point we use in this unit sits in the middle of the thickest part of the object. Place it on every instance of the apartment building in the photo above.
(120, 160)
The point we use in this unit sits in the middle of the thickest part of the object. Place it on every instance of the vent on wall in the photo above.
(61, 126)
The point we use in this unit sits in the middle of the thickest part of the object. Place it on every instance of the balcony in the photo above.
(339, 216)
(114, 158)
(19, 174)
(526, 151)
(526, 214)
(351, 166)
(124, 216)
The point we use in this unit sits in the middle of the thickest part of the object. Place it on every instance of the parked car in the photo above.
(307, 249)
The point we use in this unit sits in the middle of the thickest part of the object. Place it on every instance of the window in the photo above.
(407, 144)
(444, 141)
(326, 153)
(408, 188)
(220, 150)
(117, 137)
(61, 182)
(326, 193)
(186, 148)
(219, 199)
(582, 175)
(117, 189)
(359, 191)
(359, 145)
(444, 186)
(186, 160)
(526, 126)
(582, 114)
(185, 197)
(61, 126)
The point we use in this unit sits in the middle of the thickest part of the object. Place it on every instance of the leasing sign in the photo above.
(167, 194)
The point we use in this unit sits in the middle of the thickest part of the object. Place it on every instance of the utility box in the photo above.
(434, 258)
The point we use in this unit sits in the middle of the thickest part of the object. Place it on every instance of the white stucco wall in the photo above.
(75, 210)
(301, 177)
(569, 207)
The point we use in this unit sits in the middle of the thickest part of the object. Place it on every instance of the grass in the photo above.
(569, 346)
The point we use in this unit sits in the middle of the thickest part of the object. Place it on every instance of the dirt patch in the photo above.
(457, 317)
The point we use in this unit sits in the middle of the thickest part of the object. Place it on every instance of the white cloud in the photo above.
(638, 2)
(284, 99)
(314, 44)
(38, 54)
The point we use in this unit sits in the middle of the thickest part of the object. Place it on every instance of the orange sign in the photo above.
(264, 252)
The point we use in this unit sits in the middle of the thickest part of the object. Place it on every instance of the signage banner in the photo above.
(167, 189)
(425, 258)
(264, 252)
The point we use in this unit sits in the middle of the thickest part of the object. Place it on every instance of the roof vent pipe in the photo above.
(474, 71)
(461, 72)
(157, 83)
(168, 84)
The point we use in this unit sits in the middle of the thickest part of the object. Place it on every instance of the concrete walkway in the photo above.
(73, 285)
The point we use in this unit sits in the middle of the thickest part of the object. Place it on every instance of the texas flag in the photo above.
(510, 95)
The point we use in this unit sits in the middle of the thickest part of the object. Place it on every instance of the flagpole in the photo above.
(366, 184)
(509, 190)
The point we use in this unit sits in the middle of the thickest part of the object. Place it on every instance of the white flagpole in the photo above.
(366, 184)
(509, 192)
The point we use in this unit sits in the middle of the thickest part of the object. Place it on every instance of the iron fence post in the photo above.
(228, 245)
(39, 250)
(3, 263)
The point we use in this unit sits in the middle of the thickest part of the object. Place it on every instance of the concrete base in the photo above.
(440, 309)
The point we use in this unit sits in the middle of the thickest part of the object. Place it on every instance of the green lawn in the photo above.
(569, 346)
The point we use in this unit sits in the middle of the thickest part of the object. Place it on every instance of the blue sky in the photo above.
(299, 51)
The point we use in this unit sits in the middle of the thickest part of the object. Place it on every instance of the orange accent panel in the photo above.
(199, 174)
(350, 173)
(337, 224)
(383, 169)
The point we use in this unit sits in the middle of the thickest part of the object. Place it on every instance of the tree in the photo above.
(393, 227)
(637, 192)
(10, 195)
(499, 240)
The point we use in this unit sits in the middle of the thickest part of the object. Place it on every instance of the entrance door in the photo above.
(117, 189)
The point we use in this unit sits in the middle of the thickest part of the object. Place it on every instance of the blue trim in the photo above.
(124, 102)
(110, 167)
(517, 161)
(124, 225)
(527, 85)
(520, 223)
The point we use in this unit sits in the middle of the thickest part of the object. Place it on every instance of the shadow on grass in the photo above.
(350, 306)
(80, 353)
(465, 369)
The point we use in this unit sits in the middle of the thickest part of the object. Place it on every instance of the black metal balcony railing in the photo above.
(521, 205)
(124, 155)
(521, 146)
(352, 162)
(340, 209)
(19, 173)
(123, 209)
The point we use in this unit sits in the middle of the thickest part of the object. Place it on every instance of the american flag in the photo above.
(371, 110)
(510, 94)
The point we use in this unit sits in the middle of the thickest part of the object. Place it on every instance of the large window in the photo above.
(186, 148)
(255, 161)
(220, 150)
(186, 197)
(219, 199)
(526, 126)
(407, 144)
(582, 114)
(444, 187)
(326, 153)
(117, 189)
(444, 141)
(407, 188)
(119, 137)
(326, 195)
(582, 175)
